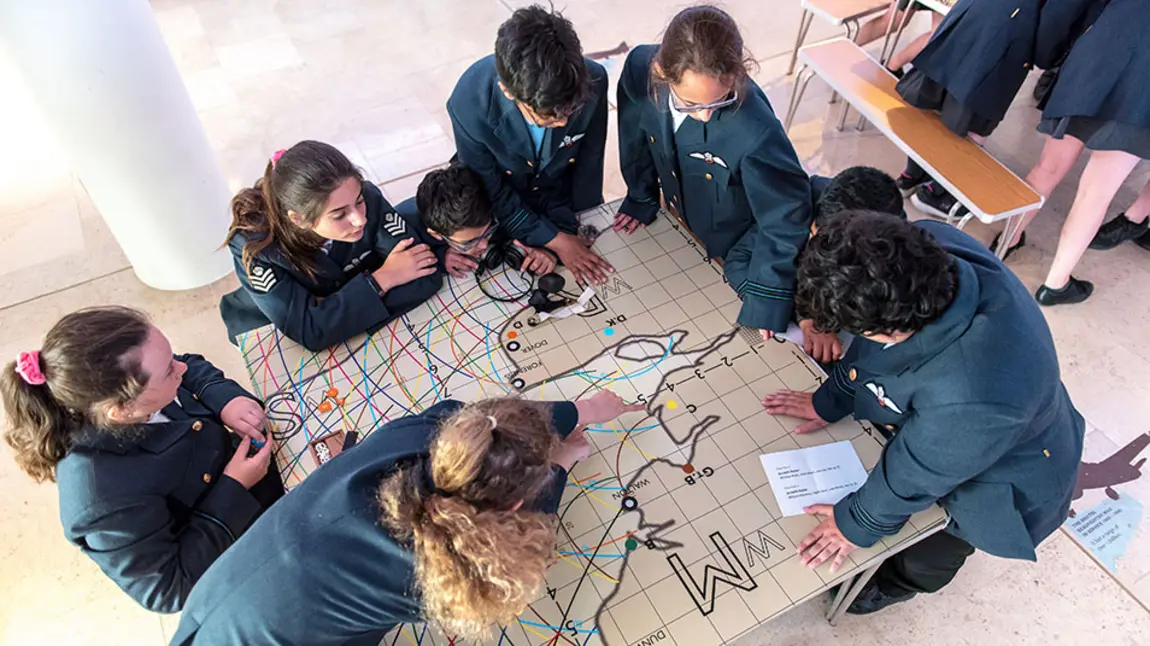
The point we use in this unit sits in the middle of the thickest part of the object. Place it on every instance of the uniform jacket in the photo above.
(154, 509)
(341, 301)
(739, 184)
(984, 49)
(318, 569)
(1104, 76)
(980, 419)
(533, 198)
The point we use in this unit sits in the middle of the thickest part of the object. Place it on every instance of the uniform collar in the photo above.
(937, 336)
(152, 438)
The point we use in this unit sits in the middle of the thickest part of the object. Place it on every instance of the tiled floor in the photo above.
(371, 77)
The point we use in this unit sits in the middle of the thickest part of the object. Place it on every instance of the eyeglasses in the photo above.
(688, 109)
(471, 244)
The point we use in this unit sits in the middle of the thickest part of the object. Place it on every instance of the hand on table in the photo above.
(767, 334)
(246, 417)
(459, 264)
(536, 261)
(823, 347)
(604, 406)
(795, 404)
(625, 223)
(825, 541)
(585, 265)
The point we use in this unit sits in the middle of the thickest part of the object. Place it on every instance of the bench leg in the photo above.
(848, 592)
(843, 111)
(801, 80)
(1012, 224)
(804, 27)
(861, 125)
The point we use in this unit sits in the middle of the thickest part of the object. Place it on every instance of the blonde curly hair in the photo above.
(479, 558)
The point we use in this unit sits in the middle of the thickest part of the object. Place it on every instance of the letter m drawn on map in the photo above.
(703, 594)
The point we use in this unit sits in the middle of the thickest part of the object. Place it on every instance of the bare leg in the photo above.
(915, 47)
(1140, 209)
(1057, 158)
(876, 28)
(1101, 179)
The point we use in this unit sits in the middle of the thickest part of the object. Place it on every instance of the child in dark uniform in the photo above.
(456, 210)
(322, 254)
(447, 516)
(531, 120)
(695, 127)
(153, 487)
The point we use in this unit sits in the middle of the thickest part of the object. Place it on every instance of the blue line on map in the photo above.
(588, 555)
(556, 629)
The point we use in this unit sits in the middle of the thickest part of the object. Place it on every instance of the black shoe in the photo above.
(1045, 82)
(898, 74)
(873, 599)
(1143, 241)
(1075, 291)
(907, 182)
(932, 199)
(1117, 231)
(1015, 247)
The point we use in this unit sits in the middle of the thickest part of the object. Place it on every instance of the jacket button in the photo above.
(891, 427)
(530, 165)
(652, 139)
(207, 478)
(1046, 452)
(506, 172)
(853, 374)
(674, 198)
(197, 426)
(708, 176)
(571, 161)
(674, 174)
(535, 188)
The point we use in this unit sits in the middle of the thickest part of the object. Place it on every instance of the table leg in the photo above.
(846, 108)
(1012, 225)
(804, 76)
(804, 27)
(883, 56)
(848, 593)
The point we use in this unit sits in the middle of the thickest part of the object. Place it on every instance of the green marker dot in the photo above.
(631, 544)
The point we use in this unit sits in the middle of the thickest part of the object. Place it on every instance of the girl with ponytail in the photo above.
(153, 486)
(448, 515)
(322, 254)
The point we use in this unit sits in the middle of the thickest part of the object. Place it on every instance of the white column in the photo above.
(107, 84)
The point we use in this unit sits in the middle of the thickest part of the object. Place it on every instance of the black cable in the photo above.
(504, 254)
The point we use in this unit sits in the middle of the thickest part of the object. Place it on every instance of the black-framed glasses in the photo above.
(470, 244)
(688, 109)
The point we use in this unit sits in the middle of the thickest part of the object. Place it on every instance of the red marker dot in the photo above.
(512, 334)
(688, 468)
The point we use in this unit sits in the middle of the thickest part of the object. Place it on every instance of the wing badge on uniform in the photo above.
(709, 158)
(883, 400)
(394, 224)
(570, 140)
(262, 278)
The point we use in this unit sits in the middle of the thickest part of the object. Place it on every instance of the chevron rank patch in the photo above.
(394, 224)
(262, 278)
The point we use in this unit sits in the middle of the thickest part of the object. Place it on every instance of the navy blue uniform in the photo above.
(981, 422)
(984, 49)
(341, 300)
(318, 568)
(1104, 76)
(152, 508)
(532, 196)
(735, 180)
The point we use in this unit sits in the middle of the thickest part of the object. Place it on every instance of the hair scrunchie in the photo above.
(28, 367)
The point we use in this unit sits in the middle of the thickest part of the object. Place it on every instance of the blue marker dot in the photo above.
(609, 331)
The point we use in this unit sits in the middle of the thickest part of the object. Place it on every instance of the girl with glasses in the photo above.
(697, 131)
(322, 254)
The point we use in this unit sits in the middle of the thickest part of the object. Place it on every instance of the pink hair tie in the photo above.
(28, 367)
(276, 156)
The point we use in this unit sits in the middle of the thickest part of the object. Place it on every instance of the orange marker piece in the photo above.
(325, 407)
(339, 402)
(512, 334)
(332, 392)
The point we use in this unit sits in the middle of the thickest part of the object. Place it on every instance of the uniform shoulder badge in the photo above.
(394, 224)
(570, 140)
(709, 158)
(262, 278)
(883, 400)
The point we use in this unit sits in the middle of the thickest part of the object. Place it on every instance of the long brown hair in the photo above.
(478, 561)
(300, 180)
(706, 40)
(89, 360)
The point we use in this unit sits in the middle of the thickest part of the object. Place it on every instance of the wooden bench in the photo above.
(840, 13)
(977, 180)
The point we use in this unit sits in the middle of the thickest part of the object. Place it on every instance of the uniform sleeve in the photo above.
(521, 222)
(835, 398)
(315, 323)
(1059, 23)
(209, 384)
(941, 448)
(635, 159)
(587, 174)
(779, 193)
(137, 544)
(403, 298)
(548, 501)
(564, 418)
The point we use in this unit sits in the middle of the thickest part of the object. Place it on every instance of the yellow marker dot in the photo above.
(672, 404)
